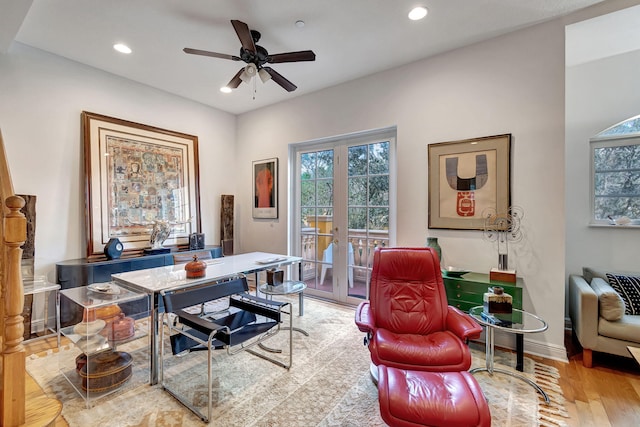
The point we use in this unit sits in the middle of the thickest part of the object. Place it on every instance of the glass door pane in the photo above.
(316, 217)
(368, 211)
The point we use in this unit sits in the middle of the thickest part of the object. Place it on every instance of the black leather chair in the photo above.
(245, 321)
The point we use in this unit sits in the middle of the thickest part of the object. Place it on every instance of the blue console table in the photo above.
(82, 272)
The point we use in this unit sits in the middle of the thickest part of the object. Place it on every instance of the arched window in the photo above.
(615, 170)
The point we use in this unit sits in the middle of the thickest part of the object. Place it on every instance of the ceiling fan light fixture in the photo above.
(249, 71)
(417, 13)
(264, 75)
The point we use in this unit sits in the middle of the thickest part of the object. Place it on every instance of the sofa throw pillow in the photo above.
(629, 289)
(610, 303)
(590, 273)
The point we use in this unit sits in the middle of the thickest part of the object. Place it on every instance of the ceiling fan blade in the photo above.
(303, 55)
(280, 79)
(236, 80)
(212, 54)
(244, 34)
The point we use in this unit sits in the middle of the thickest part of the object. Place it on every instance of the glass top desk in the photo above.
(171, 277)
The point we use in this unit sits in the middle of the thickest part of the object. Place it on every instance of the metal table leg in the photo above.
(490, 352)
(153, 369)
(286, 328)
(520, 352)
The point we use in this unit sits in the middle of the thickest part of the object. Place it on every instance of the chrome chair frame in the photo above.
(202, 331)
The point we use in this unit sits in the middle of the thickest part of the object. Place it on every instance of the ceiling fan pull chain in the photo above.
(254, 88)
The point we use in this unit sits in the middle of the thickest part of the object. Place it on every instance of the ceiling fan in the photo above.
(256, 57)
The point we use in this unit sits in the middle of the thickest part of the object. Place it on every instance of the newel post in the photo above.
(13, 354)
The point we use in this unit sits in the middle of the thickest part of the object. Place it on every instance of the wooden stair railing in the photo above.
(13, 233)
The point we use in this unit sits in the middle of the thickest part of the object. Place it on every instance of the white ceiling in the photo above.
(351, 38)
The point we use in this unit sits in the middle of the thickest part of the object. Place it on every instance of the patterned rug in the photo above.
(328, 384)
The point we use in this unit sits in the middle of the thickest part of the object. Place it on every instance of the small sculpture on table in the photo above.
(159, 233)
(275, 277)
(160, 230)
(503, 228)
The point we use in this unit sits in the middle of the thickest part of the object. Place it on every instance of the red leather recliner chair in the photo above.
(408, 323)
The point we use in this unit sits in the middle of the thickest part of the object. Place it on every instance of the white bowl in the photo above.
(88, 329)
(92, 344)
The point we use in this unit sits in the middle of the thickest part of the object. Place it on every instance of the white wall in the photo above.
(41, 98)
(599, 94)
(511, 84)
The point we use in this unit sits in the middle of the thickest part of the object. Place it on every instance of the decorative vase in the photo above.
(432, 242)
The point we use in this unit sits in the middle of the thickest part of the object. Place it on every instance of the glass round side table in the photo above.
(288, 287)
(516, 322)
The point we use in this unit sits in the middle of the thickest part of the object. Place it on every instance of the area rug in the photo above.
(328, 384)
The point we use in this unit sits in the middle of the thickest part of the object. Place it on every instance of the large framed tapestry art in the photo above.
(138, 176)
(467, 179)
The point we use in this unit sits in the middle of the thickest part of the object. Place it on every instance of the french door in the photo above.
(344, 208)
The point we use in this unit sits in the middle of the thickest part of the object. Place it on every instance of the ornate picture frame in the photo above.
(137, 175)
(467, 178)
(265, 189)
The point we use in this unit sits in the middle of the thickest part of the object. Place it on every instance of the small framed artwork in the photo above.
(467, 179)
(137, 176)
(265, 188)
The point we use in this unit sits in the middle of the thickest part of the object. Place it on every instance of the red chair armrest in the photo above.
(462, 324)
(364, 321)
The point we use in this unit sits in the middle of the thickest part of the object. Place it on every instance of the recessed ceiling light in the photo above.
(299, 23)
(122, 48)
(417, 13)
(225, 89)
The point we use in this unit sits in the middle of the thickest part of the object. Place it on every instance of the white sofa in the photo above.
(600, 316)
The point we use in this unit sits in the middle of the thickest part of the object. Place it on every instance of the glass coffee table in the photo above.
(517, 322)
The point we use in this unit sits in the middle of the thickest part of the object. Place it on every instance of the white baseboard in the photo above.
(546, 350)
(37, 325)
(537, 348)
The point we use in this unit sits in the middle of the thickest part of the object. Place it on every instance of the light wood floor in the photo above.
(33, 390)
(606, 395)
